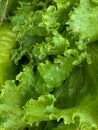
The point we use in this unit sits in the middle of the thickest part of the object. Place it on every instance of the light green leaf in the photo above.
(83, 21)
(55, 74)
(7, 43)
(38, 110)
(10, 107)
(49, 17)
(12, 99)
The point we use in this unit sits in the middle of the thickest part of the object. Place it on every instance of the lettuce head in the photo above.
(49, 65)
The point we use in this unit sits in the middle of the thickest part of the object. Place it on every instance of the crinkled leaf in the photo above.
(55, 74)
(83, 21)
(13, 98)
(38, 110)
(10, 107)
(54, 45)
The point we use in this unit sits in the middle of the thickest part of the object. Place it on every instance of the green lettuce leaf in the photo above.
(57, 57)
(10, 107)
(8, 69)
(12, 99)
(55, 74)
(83, 21)
(38, 110)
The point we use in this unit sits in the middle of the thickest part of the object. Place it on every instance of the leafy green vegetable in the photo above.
(48, 65)
(7, 42)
